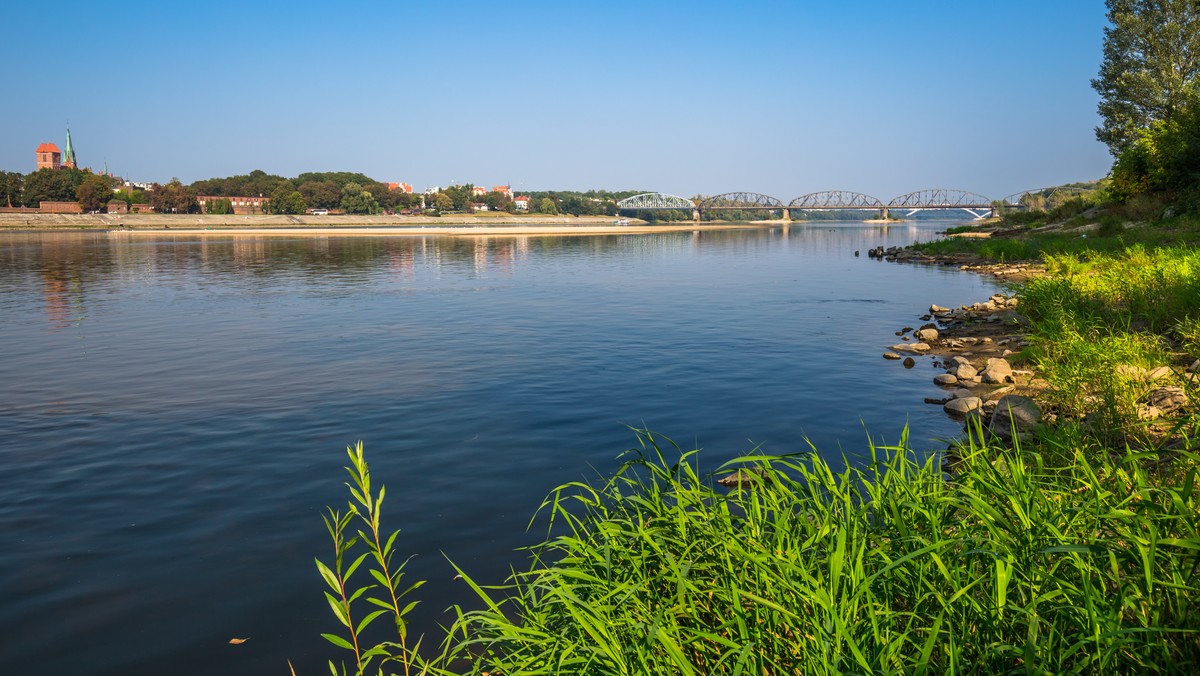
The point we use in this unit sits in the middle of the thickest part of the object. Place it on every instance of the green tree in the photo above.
(51, 185)
(174, 198)
(443, 202)
(286, 200)
(357, 200)
(94, 193)
(11, 183)
(1151, 66)
(321, 194)
(221, 206)
(547, 206)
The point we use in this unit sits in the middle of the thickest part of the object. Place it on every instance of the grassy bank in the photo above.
(1077, 549)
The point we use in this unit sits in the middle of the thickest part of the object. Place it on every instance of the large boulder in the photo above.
(997, 371)
(926, 335)
(945, 379)
(1014, 413)
(963, 371)
(962, 406)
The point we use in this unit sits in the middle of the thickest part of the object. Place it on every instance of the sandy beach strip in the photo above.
(557, 230)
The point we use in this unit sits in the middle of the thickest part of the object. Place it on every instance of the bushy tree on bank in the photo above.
(1151, 67)
(51, 185)
(174, 198)
(94, 193)
(1149, 88)
(11, 183)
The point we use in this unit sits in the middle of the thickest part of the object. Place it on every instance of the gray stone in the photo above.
(920, 347)
(1168, 399)
(963, 371)
(935, 309)
(962, 406)
(1014, 412)
(961, 360)
(890, 355)
(997, 371)
(962, 393)
(926, 335)
(909, 362)
(944, 379)
(1195, 367)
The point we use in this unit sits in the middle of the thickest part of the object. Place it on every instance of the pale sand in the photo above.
(555, 230)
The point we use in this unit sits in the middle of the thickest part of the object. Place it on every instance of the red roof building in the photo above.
(49, 156)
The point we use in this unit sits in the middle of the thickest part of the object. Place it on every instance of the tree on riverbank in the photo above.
(1151, 67)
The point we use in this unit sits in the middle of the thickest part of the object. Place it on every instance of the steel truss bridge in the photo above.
(828, 200)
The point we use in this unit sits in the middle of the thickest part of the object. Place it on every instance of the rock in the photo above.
(919, 347)
(997, 371)
(1168, 399)
(743, 478)
(963, 371)
(1145, 412)
(890, 355)
(962, 406)
(944, 379)
(1159, 373)
(926, 335)
(961, 360)
(1014, 412)
(1195, 367)
(962, 393)
(939, 402)
(909, 362)
(936, 309)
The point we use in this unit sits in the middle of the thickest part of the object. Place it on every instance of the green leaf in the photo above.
(330, 578)
(338, 641)
(367, 620)
(339, 610)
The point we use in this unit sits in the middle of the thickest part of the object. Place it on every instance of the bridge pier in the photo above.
(883, 213)
(696, 215)
(787, 214)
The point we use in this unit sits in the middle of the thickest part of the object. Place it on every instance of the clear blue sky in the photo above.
(684, 97)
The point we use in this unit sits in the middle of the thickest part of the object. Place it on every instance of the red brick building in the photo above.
(49, 156)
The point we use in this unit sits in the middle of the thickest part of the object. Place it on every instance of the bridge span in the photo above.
(827, 200)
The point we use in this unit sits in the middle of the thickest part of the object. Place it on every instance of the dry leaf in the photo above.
(238, 641)
(291, 668)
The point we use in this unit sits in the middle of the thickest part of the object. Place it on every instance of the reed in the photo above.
(887, 567)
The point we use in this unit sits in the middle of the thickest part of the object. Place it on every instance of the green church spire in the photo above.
(69, 152)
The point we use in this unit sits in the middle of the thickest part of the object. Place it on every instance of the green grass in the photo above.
(1110, 236)
(1095, 313)
(888, 567)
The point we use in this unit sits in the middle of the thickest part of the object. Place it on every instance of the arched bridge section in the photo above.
(940, 198)
(740, 200)
(836, 199)
(656, 200)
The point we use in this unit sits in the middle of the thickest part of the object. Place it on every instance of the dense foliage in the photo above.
(1151, 67)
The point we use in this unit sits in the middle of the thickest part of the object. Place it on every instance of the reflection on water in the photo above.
(174, 408)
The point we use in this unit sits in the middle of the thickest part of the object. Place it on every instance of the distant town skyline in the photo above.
(778, 98)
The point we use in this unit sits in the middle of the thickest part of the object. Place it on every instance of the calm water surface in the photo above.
(174, 411)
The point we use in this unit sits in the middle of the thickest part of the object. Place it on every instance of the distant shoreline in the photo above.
(498, 225)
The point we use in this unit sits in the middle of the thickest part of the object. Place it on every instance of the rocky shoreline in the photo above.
(972, 344)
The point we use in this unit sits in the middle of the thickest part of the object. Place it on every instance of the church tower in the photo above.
(68, 159)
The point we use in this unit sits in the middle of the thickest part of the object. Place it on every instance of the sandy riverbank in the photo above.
(375, 226)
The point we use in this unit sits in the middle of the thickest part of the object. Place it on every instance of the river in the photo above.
(174, 410)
